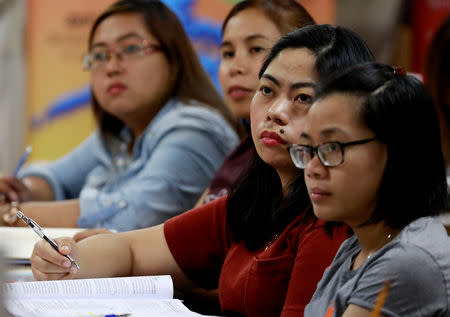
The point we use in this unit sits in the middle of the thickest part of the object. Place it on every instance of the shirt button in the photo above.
(123, 204)
(107, 202)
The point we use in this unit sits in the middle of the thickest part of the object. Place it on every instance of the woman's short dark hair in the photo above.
(256, 207)
(191, 81)
(399, 110)
(287, 15)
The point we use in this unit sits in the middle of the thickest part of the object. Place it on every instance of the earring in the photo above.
(281, 131)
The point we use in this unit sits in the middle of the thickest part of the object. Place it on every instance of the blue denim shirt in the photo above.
(172, 163)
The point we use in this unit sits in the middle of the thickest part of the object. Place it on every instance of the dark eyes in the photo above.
(257, 49)
(131, 48)
(252, 50)
(227, 54)
(266, 91)
(103, 54)
(330, 147)
(100, 56)
(304, 98)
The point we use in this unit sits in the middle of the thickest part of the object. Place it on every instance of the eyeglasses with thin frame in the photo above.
(331, 154)
(100, 56)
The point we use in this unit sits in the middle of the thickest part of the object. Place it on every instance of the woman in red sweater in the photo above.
(261, 245)
(249, 30)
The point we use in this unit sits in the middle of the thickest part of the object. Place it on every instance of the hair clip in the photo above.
(399, 71)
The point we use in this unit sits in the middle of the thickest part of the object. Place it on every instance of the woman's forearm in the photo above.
(53, 214)
(104, 255)
(39, 189)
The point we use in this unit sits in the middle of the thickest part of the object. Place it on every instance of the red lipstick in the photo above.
(271, 138)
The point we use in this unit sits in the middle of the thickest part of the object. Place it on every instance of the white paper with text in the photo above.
(139, 296)
(154, 287)
(89, 307)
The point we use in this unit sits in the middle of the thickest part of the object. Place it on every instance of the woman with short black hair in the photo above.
(372, 158)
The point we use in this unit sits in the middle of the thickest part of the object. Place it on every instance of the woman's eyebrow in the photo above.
(247, 39)
(120, 38)
(305, 135)
(330, 131)
(271, 78)
(255, 37)
(225, 43)
(128, 35)
(303, 85)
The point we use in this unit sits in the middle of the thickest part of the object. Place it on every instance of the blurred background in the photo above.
(44, 93)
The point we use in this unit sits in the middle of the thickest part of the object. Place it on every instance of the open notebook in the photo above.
(17, 243)
(139, 296)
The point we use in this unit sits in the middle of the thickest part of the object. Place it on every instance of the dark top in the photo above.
(232, 167)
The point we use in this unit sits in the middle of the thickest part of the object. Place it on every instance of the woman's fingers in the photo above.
(14, 189)
(19, 188)
(47, 263)
(7, 191)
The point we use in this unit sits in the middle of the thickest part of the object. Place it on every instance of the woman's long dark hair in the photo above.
(192, 83)
(256, 207)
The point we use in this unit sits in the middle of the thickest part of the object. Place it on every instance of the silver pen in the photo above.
(36, 228)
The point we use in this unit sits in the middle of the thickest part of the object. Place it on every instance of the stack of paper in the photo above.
(138, 296)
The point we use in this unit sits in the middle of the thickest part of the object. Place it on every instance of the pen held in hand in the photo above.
(22, 161)
(36, 228)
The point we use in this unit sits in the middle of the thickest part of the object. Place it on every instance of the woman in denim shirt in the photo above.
(163, 130)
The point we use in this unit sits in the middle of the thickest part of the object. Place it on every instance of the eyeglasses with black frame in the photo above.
(99, 56)
(331, 154)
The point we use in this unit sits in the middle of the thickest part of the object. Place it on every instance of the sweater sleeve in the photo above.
(199, 241)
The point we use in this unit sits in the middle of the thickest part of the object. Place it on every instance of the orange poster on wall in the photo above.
(56, 41)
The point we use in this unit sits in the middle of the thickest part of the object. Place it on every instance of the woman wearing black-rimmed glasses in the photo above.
(372, 158)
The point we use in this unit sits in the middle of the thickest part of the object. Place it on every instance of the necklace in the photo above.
(388, 237)
(385, 240)
(275, 237)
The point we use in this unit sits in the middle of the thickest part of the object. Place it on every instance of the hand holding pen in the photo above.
(12, 192)
(36, 228)
(11, 188)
